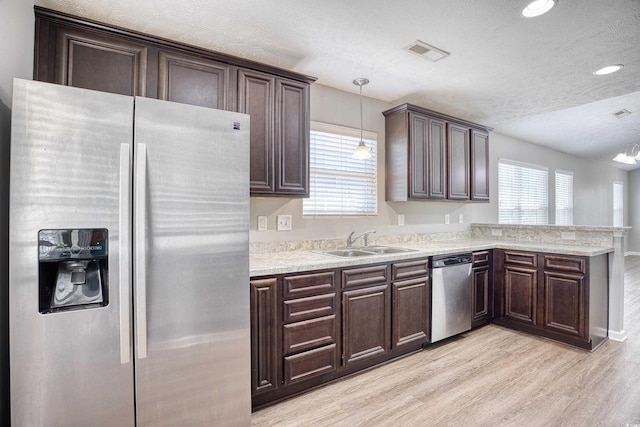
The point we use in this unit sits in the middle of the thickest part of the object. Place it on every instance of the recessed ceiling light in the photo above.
(608, 69)
(538, 7)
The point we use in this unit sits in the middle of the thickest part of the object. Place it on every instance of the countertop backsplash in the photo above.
(551, 234)
(373, 240)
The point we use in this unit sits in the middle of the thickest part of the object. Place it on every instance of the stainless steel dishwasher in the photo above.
(451, 295)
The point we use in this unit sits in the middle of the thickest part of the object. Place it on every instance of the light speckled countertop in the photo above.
(267, 264)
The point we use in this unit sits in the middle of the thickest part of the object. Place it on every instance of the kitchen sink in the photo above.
(386, 250)
(366, 251)
(348, 253)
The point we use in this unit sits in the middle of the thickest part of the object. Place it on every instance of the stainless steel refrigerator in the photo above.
(129, 265)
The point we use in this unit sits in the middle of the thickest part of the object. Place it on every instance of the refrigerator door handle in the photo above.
(140, 213)
(124, 254)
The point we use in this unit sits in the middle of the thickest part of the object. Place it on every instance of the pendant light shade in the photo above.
(361, 152)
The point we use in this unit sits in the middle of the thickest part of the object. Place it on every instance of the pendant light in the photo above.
(362, 152)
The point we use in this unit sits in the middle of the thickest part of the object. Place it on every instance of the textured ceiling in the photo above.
(527, 78)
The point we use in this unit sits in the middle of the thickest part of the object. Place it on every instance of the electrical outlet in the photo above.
(262, 223)
(447, 218)
(496, 232)
(568, 235)
(460, 218)
(401, 220)
(283, 223)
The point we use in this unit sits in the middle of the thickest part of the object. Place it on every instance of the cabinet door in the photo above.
(437, 173)
(427, 144)
(292, 138)
(410, 311)
(564, 304)
(192, 80)
(365, 323)
(479, 165)
(480, 296)
(93, 61)
(458, 162)
(256, 97)
(520, 294)
(264, 344)
(418, 156)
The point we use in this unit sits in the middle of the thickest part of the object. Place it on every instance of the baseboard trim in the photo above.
(618, 336)
(632, 253)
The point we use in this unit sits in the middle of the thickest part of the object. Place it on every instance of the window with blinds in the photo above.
(338, 183)
(618, 204)
(564, 197)
(522, 193)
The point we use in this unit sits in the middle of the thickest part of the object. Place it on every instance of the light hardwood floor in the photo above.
(488, 377)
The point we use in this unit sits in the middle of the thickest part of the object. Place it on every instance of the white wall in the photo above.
(16, 33)
(593, 183)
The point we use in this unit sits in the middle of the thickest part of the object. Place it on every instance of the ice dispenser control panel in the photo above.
(73, 267)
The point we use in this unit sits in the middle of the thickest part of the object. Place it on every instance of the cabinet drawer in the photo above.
(407, 270)
(304, 335)
(308, 284)
(480, 259)
(528, 259)
(567, 264)
(309, 364)
(296, 310)
(364, 276)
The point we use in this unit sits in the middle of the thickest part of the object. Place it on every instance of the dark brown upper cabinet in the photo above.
(279, 110)
(458, 162)
(98, 62)
(479, 165)
(292, 138)
(77, 52)
(256, 95)
(432, 156)
(427, 168)
(193, 80)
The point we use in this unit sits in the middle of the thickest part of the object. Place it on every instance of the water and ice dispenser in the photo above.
(72, 269)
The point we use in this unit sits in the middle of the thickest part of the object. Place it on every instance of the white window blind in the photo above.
(564, 197)
(338, 183)
(522, 193)
(618, 204)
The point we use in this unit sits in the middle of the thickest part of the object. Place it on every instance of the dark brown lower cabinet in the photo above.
(564, 304)
(264, 336)
(411, 304)
(521, 294)
(562, 297)
(302, 366)
(482, 288)
(410, 312)
(365, 323)
(309, 328)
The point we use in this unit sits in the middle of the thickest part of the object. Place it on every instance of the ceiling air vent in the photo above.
(426, 51)
(622, 113)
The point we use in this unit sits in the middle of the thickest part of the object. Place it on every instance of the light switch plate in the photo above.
(262, 223)
(401, 220)
(283, 223)
(496, 232)
(568, 235)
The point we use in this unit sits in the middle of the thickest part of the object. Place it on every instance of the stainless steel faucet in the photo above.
(351, 239)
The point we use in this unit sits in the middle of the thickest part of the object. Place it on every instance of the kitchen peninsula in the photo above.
(317, 317)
